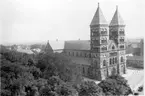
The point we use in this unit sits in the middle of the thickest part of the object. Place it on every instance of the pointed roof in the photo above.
(117, 19)
(98, 18)
(48, 48)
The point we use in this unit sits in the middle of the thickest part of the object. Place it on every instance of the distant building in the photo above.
(135, 61)
(25, 51)
(136, 48)
(104, 53)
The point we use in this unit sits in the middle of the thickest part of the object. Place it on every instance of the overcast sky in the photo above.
(41, 20)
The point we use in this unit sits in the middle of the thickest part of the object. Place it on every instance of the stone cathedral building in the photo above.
(104, 53)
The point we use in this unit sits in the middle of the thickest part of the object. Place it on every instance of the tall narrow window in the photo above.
(122, 59)
(104, 62)
(110, 61)
(115, 59)
(83, 70)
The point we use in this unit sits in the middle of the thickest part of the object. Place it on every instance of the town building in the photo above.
(137, 51)
(136, 48)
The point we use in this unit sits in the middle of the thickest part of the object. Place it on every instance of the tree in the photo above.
(57, 65)
(57, 87)
(16, 74)
(66, 90)
(115, 85)
(89, 88)
(37, 75)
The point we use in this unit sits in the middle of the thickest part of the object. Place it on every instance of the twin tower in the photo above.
(108, 43)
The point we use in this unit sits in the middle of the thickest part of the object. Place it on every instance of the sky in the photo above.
(41, 20)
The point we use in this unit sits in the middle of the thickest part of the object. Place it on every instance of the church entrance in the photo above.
(114, 71)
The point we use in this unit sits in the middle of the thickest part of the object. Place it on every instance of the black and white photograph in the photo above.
(72, 47)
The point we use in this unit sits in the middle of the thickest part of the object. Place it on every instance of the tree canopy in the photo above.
(51, 74)
(115, 85)
(41, 74)
(90, 88)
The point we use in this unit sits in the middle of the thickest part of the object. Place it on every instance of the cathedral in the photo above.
(104, 54)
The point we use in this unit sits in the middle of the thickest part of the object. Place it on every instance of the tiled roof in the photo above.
(98, 18)
(81, 44)
(77, 45)
(117, 19)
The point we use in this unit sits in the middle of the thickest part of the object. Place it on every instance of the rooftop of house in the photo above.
(25, 51)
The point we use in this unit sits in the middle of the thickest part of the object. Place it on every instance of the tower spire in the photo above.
(117, 19)
(98, 18)
(116, 7)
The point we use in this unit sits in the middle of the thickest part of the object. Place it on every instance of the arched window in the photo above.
(113, 47)
(104, 62)
(122, 59)
(104, 40)
(104, 48)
